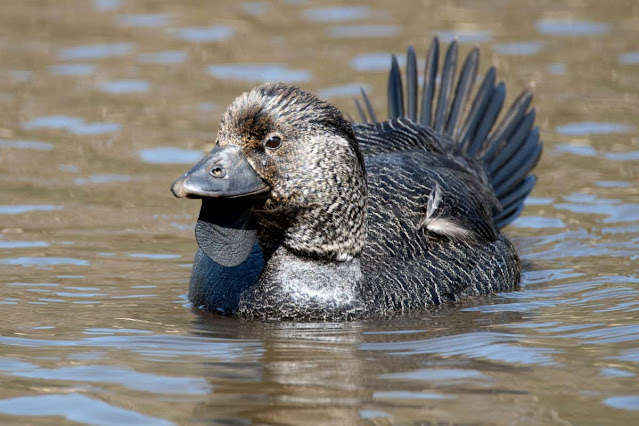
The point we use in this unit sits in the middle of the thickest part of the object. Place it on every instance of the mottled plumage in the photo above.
(381, 217)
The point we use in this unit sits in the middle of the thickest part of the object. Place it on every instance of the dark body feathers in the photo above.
(483, 178)
(410, 263)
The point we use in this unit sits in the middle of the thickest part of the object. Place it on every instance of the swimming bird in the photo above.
(309, 216)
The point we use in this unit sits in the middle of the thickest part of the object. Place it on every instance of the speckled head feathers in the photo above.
(265, 108)
(316, 171)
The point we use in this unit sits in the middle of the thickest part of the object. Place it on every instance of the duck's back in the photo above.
(440, 188)
(431, 236)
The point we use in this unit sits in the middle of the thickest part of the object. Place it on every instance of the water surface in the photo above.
(103, 103)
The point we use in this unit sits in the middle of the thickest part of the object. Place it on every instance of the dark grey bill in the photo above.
(224, 173)
(227, 184)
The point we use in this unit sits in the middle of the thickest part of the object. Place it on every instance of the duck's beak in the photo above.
(224, 173)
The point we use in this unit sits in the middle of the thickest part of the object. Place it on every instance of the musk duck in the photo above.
(307, 215)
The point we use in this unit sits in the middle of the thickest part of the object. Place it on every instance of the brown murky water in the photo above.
(104, 102)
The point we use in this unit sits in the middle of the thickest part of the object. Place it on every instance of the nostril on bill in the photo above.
(217, 172)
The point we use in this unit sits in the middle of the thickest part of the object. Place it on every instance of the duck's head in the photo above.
(296, 155)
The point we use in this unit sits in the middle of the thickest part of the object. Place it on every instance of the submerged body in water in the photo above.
(357, 220)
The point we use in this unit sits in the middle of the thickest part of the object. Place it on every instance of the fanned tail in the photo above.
(509, 150)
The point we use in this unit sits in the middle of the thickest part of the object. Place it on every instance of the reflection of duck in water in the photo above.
(362, 219)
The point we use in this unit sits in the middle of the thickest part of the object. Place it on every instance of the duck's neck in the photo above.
(330, 225)
(293, 286)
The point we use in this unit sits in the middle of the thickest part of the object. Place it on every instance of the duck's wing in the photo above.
(457, 127)
(399, 134)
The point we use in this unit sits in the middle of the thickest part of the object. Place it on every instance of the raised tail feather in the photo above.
(509, 150)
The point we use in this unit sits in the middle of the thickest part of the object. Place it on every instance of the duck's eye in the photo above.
(273, 142)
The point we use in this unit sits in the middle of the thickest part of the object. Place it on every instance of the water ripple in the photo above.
(96, 51)
(70, 168)
(108, 178)
(548, 275)
(538, 222)
(163, 346)
(584, 151)
(616, 372)
(76, 408)
(614, 211)
(71, 69)
(203, 34)
(464, 37)
(592, 128)
(170, 155)
(557, 68)
(374, 61)
(622, 156)
(124, 86)
(521, 48)
(487, 345)
(23, 144)
(259, 72)
(372, 414)
(254, 8)
(75, 125)
(628, 402)
(630, 58)
(431, 374)
(615, 334)
(122, 376)
(163, 57)
(150, 20)
(365, 31)
(337, 13)
(22, 244)
(346, 90)
(107, 5)
(558, 27)
(28, 208)
(410, 395)
(631, 355)
(44, 261)
(154, 256)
